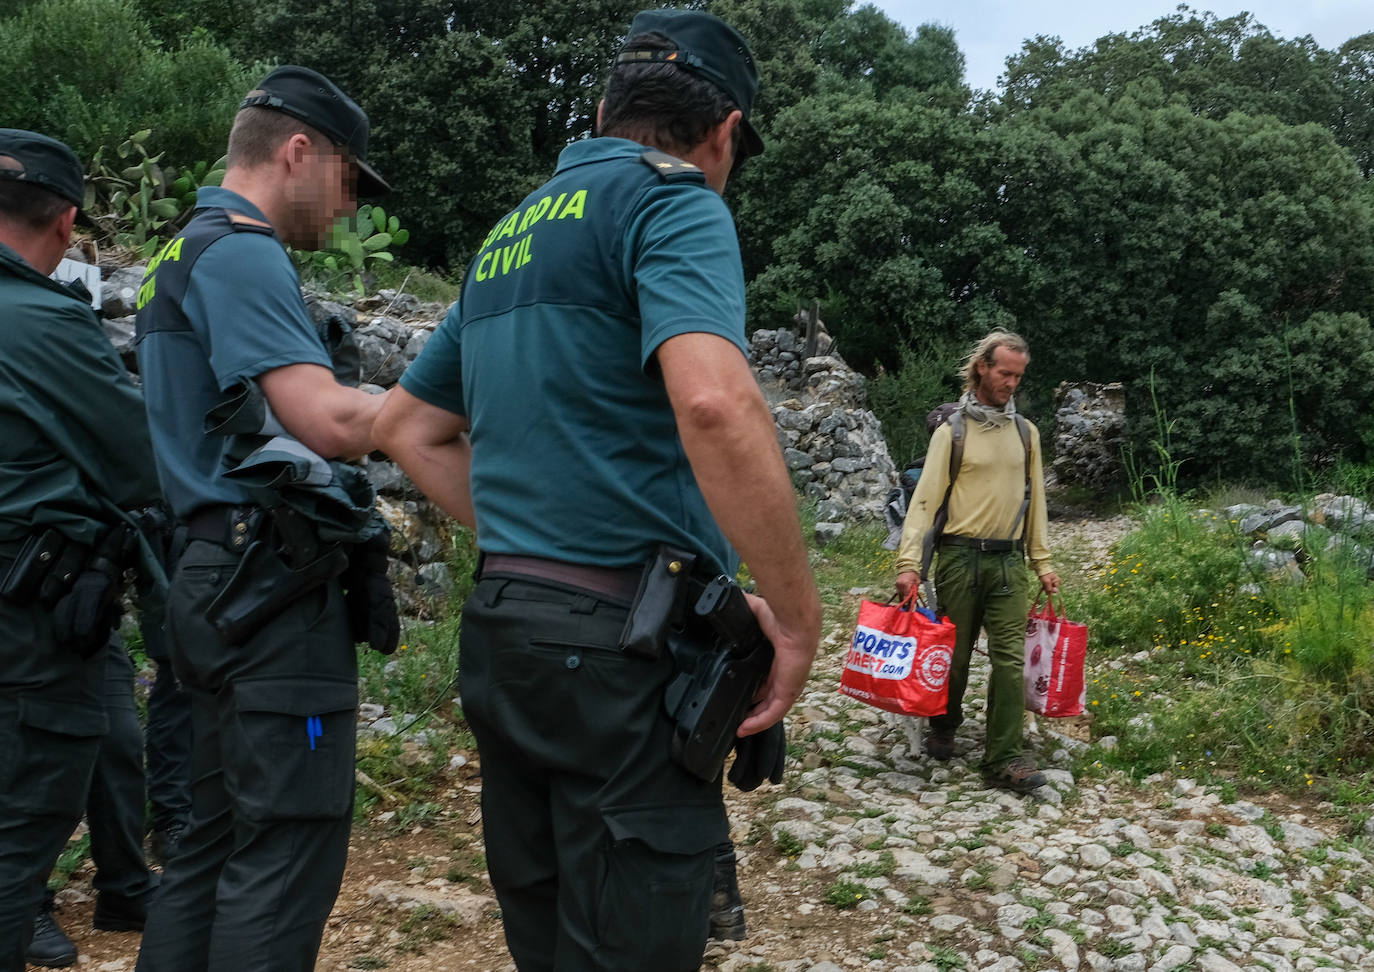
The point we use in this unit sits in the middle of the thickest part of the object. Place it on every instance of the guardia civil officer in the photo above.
(273, 703)
(74, 451)
(601, 333)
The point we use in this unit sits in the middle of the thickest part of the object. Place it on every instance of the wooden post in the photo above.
(813, 329)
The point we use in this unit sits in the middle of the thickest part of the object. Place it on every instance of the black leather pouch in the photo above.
(659, 603)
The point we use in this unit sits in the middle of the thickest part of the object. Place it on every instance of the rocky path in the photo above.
(871, 856)
(877, 857)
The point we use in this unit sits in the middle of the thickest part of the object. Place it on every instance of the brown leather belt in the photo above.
(614, 583)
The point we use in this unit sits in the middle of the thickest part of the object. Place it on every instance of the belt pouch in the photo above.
(36, 559)
(263, 586)
(659, 603)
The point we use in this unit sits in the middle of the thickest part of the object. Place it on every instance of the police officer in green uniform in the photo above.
(273, 707)
(74, 451)
(600, 333)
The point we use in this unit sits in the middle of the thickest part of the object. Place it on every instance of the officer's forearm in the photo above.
(330, 419)
(431, 445)
(729, 437)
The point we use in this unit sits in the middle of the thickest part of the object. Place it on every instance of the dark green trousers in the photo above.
(52, 718)
(258, 869)
(599, 847)
(986, 591)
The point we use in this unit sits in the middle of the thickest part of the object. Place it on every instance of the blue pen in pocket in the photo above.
(313, 729)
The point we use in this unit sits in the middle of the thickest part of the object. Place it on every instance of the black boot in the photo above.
(50, 947)
(727, 910)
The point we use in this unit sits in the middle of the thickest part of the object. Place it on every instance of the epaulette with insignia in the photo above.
(671, 169)
(243, 223)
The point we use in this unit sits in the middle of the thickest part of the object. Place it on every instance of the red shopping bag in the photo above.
(1056, 649)
(899, 659)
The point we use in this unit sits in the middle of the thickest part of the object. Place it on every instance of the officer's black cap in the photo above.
(43, 161)
(711, 48)
(317, 101)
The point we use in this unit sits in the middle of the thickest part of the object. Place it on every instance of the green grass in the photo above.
(1270, 683)
(846, 894)
(75, 854)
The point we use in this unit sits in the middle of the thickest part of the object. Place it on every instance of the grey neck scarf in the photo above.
(986, 415)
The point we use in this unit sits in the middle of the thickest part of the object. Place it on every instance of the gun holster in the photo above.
(659, 604)
(708, 702)
(269, 578)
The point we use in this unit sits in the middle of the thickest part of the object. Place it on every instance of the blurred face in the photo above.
(997, 381)
(324, 188)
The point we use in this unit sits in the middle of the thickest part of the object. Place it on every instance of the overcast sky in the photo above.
(988, 32)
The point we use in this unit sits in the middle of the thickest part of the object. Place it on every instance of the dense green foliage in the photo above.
(91, 73)
(1190, 200)
(1224, 665)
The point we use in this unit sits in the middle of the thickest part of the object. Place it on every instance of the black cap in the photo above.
(708, 46)
(317, 101)
(44, 161)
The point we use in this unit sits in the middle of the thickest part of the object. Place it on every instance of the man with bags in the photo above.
(74, 453)
(980, 504)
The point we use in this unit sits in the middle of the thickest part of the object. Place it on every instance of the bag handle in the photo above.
(1048, 611)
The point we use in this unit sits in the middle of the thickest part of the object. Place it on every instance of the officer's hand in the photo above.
(794, 648)
(1049, 583)
(906, 581)
(759, 757)
(84, 617)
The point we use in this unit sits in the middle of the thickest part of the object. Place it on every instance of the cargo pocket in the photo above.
(51, 768)
(291, 747)
(653, 911)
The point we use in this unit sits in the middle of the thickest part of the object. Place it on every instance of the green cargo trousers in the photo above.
(600, 848)
(987, 591)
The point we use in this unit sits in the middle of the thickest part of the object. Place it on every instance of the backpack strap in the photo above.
(957, 432)
(1023, 429)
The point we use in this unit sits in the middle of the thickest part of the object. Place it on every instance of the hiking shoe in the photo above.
(1018, 775)
(940, 745)
(727, 910)
(50, 947)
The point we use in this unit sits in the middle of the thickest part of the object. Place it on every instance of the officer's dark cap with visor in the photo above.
(42, 161)
(707, 46)
(312, 98)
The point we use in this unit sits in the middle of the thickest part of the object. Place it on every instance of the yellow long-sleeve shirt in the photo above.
(986, 497)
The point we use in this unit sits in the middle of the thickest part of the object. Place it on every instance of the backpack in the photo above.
(899, 497)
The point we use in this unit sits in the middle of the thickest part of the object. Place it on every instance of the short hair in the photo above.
(28, 206)
(662, 104)
(986, 350)
(259, 132)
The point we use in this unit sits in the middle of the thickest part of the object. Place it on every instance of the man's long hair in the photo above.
(662, 104)
(986, 350)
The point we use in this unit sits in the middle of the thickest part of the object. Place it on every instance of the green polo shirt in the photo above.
(73, 439)
(549, 354)
(210, 316)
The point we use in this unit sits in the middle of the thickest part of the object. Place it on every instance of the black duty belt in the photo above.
(980, 543)
(229, 526)
(616, 583)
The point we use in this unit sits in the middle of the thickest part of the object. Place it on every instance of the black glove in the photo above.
(84, 617)
(759, 757)
(372, 614)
